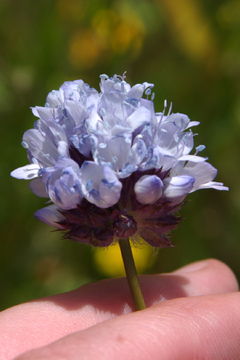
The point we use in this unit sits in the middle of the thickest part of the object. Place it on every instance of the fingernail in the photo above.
(196, 266)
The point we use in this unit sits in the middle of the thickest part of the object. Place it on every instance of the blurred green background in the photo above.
(190, 49)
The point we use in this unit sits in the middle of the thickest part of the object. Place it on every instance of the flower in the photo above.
(111, 166)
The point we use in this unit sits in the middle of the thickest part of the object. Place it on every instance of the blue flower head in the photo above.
(111, 166)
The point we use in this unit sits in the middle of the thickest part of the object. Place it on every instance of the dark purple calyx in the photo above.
(100, 227)
(124, 226)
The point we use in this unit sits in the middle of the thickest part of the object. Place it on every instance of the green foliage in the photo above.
(189, 50)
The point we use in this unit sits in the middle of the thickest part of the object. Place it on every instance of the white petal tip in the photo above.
(26, 172)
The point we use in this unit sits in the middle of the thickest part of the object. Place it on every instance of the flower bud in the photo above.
(148, 189)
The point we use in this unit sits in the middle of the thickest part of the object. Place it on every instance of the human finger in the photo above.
(48, 319)
(204, 327)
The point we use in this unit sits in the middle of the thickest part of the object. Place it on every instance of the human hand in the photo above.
(193, 313)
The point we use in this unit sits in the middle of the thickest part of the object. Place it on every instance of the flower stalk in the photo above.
(131, 274)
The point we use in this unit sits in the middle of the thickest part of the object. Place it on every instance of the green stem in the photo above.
(131, 274)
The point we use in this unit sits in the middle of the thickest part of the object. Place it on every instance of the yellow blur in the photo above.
(109, 260)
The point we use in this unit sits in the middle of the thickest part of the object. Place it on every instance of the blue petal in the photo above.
(38, 187)
(63, 184)
(100, 184)
(50, 215)
(214, 185)
(148, 189)
(178, 186)
(203, 173)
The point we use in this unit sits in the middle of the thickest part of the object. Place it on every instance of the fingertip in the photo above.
(214, 274)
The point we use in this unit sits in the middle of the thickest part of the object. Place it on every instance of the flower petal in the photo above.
(181, 121)
(55, 98)
(139, 117)
(100, 184)
(38, 187)
(214, 185)
(138, 150)
(114, 152)
(50, 215)
(148, 189)
(203, 173)
(178, 186)
(40, 147)
(63, 183)
(192, 158)
(26, 172)
(192, 123)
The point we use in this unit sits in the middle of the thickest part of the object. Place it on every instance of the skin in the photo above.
(193, 314)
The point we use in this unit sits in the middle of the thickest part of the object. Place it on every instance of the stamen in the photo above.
(124, 75)
(199, 148)
(170, 109)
